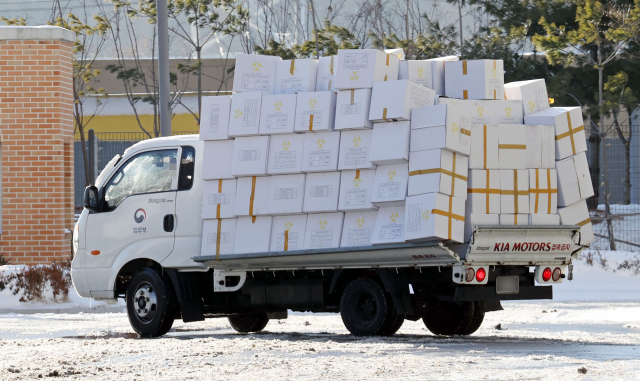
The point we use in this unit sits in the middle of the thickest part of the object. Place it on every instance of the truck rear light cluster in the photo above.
(557, 273)
(470, 274)
(546, 274)
(481, 274)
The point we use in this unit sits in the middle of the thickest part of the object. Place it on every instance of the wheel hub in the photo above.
(145, 302)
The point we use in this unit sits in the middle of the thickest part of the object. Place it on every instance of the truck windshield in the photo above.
(148, 172)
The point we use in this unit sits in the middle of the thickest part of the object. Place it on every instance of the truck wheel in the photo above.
(392, 323)
(476, 322)
(249, 323)
(449, 318)
(363, 307)
(150, 304)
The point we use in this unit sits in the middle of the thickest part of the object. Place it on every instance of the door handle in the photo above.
(167, 223)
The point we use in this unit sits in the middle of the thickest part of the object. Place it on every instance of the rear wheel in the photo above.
(151, 305)
(249, 323)
(392, 324)
(449, 318)
(363, 307)
(476, 321)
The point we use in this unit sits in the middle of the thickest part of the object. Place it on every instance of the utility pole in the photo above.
(163, 67)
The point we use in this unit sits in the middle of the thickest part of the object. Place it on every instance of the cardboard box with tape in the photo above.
(217, 157)
(355, 148)
(358, 228)
(214, 123)
(418, 71)
(250, 154)
(544, 219)
(569, 129)
(390, 225)
(437, 71)
(398, 52)
(471, 221)
(259, 229)
(438, 170)
(296, 76)
(475, 79)
(315, 112)
(287, 232)
(434, 216)
(352, 109)
(326, 80)
(574, 180)
(255, 73)
(390, 185)
(218, 199)
(390, 143)
(286, 194)
(218, 236)
(285, 154)
(360, 68)
(514, 219)
(514, 191)
(323, 230)
(541, 151)
(532, 94)
(488, 111)
(321, 192)
(543, 191)
(321, 152)
(252, 196)
(245, 113)
(441, 126)
(484, 147)
(393, 100)
(356, 189)
(278, 114)
(483, 193)
(578, 214)
(512, 146)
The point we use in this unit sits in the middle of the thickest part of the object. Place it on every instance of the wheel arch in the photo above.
(129, 270)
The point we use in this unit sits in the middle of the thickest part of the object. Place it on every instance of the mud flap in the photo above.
(186, 290)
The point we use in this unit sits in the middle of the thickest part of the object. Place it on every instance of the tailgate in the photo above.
(523, 245)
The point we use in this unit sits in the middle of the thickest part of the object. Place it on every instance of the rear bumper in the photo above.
(488, 293)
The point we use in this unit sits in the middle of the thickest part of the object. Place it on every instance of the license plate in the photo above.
(507, 285)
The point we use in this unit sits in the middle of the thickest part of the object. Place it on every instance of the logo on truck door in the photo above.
(140, 215)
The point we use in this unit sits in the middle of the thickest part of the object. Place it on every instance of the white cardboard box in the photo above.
(255, 73)
(514, 191)
(514, 219)
(217, 157)
(418, 71)
(541, 151)
(352, 109)
(323, 230)
(356, 188)
(315, 112)
(483, 191)
(544, 219)
(438, 170)
(484, 147)
(360, 68)
(437, 71)
(355, 148)
(358, 228)
(512, 146)
(390, 185)
(218, 199)
(321, 192)
(406, 96)
(532, 93)
(389, 227)
(245, 113)
(578, 214)
(390, 143)
(489, 111)
(399, 52)
(287, 232)
(434, 216)
(285, 154)
(475, 79)
(326, 80)
(250, 154)
(278, 114)
(574, 180)
(473, 220)
(569, 129)
(508, 112)
(296, 76)
(214, 123)
(214, 243)
(543, 191)
(286, 194)
(253, 234)
(321, 151)
(440, 126)
(252, 196)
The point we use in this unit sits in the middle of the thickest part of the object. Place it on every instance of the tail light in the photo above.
(556, 274)
(481, 274)
(546, 274)
(470, 274)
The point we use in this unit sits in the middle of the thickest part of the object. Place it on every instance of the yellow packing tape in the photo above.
(437, 170)
(465, 94)
(570, 133)
(512, 146)
(384, 113)
(582, 223)
(548, 190)
(311, 122)
(252, 197)
(353, 95)
(449, 215)
(331, 71)
(218, 239)
(286, 240)
(464, 68)
(220, 203)
(292, 69)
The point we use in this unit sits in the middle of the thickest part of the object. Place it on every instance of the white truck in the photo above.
(139, 238)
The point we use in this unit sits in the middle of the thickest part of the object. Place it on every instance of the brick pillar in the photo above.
(36, 133)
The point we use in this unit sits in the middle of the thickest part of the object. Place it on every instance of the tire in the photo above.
(363, 307)
(392, 324)
(449, 318)
(159, 304)
(249, 323)
(476, 321)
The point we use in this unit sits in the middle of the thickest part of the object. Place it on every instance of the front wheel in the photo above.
(249, 323)
(151, 305)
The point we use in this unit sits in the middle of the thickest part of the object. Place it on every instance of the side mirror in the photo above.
(91, 198)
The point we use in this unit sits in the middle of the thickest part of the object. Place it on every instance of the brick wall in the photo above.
(36, 133)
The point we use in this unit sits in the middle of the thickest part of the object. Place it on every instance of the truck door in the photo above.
(137, 215)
